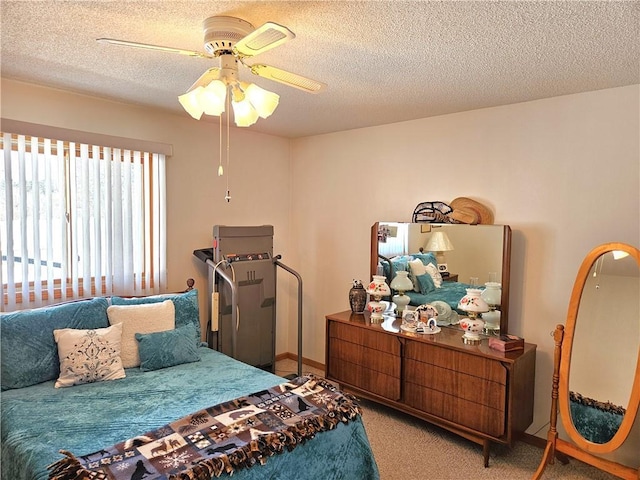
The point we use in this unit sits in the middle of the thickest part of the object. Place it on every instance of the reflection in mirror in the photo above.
(463, 254)
(596, 366)
(606, 337)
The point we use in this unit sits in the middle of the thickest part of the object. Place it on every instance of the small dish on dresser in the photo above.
(428, 331)
(428, 328)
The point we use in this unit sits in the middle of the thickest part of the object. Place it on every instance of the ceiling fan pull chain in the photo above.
(220, 169)
(228, 195)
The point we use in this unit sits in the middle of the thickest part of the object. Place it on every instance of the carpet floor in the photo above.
(407, 448)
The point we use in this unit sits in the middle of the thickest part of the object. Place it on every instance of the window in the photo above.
(79, 220)
(393, 239)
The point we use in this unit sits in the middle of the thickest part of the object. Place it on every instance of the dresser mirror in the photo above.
(596, 382)
(480, 254)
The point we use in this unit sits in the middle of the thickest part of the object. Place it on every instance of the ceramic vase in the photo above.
(357, 297)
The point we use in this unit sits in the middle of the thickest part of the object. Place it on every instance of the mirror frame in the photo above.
(506, 265)
(565, 360)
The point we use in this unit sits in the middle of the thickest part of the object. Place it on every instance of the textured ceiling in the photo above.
(383, 61)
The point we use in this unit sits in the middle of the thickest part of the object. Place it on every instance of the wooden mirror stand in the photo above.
(577, 446)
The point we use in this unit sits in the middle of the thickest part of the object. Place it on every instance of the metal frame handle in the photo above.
(234, 303)
(277, 262)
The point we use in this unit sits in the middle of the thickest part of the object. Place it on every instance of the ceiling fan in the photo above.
(233, 40)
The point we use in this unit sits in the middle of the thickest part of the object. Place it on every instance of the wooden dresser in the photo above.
(479, 393)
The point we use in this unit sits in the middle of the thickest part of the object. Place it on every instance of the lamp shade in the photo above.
(378, 287)
(244, 114)
(472, 302)
(492, 294)
(401, 282)
(263, 101)
(212, 98)
(438, 242)
(190, 101)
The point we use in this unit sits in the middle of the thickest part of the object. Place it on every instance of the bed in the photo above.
(449, 292)
(39, 420)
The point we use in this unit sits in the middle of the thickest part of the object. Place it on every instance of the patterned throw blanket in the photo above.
(222, 438)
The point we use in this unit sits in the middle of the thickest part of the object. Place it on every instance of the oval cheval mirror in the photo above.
(596, 379)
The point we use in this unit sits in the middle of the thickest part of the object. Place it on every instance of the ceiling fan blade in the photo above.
(263, 38)
(148, 46)
(288, 78)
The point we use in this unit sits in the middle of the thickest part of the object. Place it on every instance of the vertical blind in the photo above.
(394, 240)
(79, 220)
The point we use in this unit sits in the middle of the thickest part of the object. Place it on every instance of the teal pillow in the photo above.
(186, 306)
(166, 349)
(425, 282)
(29, 352)
(401, 264)
(426, 258)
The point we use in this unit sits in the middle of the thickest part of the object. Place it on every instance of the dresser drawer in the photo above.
(482, 418)
(367, 360)
(474, 365)
(450, 382)
(364, 378)
(366, 338)
(380, 362)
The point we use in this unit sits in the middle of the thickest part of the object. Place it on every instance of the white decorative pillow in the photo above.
(435, 274)
(88, 356)
(417, 269)
(142, 318)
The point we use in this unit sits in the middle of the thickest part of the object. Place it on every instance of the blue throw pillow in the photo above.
(426, 258)
(28, 350)
(186, 306)
(166, 349)
(399, 264)
(425, 282)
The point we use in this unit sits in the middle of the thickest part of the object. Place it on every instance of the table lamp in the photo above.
(439, 243)
(492, 295)
(401, 283)
(473, 304)
(377, 289)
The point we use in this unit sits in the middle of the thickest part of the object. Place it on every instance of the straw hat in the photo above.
(466, 210)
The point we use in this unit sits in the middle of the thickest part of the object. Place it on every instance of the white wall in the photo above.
(563, 172)
(259, 173)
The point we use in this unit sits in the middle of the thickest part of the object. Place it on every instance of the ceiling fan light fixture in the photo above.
(244, 114)
(190, 101)
(264, 101)
(231, 40)
(212, 98)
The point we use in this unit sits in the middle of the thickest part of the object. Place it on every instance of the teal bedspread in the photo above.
(596, 421)
(39, 420)
(450, 292)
